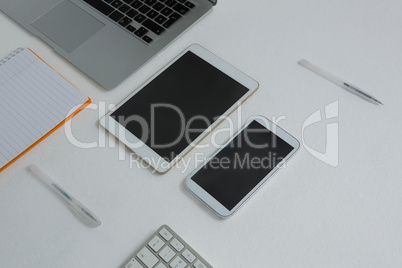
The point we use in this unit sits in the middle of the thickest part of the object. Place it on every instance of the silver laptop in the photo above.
(107, 39)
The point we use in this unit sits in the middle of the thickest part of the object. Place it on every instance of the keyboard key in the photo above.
(147, 39)
(160, 265)
(147, 258)
(158, 6)
(141, 32)
(199, 264)
(131, 13)
(133, 264)
(172, 19)
(160, 19)
(177, 245)
(178, 263)
(167, 253)
(175, 16)
(127, 1)
(152, 14)
(169, 23)
(156, 243)
(116, 16)
(140, 18)
(117, 3)
(136, 4)
(154, 27)
(125, 21)
(189, 4)
(144, 9)
(170, 3)
(165, 234)
(130, 28)
(108, 1)
(150, 2)
(181, 1)
(124, 8)
(166, 11)
(181, 9)
(100, 6)
(188, 255)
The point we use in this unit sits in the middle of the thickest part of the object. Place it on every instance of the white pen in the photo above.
(84, 213)
(337, 81)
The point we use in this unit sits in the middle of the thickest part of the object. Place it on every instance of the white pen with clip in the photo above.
(337, 81)
(84, 213)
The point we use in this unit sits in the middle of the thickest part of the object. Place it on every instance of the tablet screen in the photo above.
(189, 94)
(234, 172)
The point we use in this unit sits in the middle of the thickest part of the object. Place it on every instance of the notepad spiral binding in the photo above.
(11, 55)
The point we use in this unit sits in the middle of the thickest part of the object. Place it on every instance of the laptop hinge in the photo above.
(214, 2)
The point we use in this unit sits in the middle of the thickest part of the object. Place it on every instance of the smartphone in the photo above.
(235, 172)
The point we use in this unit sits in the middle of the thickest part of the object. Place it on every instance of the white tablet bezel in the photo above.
(144, 151)
(214, 204)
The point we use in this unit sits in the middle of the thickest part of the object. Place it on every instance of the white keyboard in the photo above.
(166, 249)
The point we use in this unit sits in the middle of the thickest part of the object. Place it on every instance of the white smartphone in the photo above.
(235, 172)
(177, 107)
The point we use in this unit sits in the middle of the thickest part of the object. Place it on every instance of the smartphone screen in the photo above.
(234, 172)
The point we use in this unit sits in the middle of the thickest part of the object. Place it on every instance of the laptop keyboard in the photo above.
(145, 19)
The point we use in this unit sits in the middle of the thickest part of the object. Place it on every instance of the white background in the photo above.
(308, 215)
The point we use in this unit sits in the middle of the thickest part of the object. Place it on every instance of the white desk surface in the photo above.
(308, 215)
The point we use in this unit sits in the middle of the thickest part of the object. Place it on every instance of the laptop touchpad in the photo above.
(67, 25)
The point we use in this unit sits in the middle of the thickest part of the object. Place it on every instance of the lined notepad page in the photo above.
(33, 100)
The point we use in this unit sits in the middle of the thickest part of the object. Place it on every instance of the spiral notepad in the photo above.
(34, 101)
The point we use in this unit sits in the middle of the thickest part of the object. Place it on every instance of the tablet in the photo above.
(175, 109)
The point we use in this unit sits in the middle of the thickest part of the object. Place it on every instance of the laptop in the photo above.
(107, 39)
